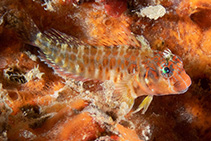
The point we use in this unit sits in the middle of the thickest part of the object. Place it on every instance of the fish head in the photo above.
(165, 75)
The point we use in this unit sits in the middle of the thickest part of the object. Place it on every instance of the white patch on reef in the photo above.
(152, 12)
(124, 109)
(146, 132)
(6, 74)
(31, 56)
(108, 88)
(70, 83)
(48, 5)
(27, 134)
(5, 112)
(98, 115)
(56, 93)
(34, 73)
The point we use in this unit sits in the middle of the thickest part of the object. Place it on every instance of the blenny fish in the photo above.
(135, 71)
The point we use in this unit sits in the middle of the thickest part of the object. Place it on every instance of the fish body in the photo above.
(151, 72)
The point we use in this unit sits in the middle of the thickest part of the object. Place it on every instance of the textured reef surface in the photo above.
(38, 104)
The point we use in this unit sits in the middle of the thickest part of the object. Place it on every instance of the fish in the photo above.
(133, 70)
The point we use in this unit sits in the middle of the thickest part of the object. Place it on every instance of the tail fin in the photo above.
(20, 21)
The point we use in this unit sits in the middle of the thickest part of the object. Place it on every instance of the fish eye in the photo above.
(166, 71)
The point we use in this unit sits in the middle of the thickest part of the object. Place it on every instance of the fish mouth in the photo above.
(183, 84)
(183, 91)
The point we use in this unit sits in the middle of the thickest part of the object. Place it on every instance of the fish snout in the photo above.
(183, 83)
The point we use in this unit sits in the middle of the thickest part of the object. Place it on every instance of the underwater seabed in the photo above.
(37, 104)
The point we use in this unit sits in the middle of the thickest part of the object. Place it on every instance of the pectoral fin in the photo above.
(144, 105)
(125, 87)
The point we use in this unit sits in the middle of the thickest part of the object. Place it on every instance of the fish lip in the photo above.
(183, 91)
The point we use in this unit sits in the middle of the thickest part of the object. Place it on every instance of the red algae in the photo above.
(47, 107)
(115, 7)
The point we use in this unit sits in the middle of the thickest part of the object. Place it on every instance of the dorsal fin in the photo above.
(60, 37)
